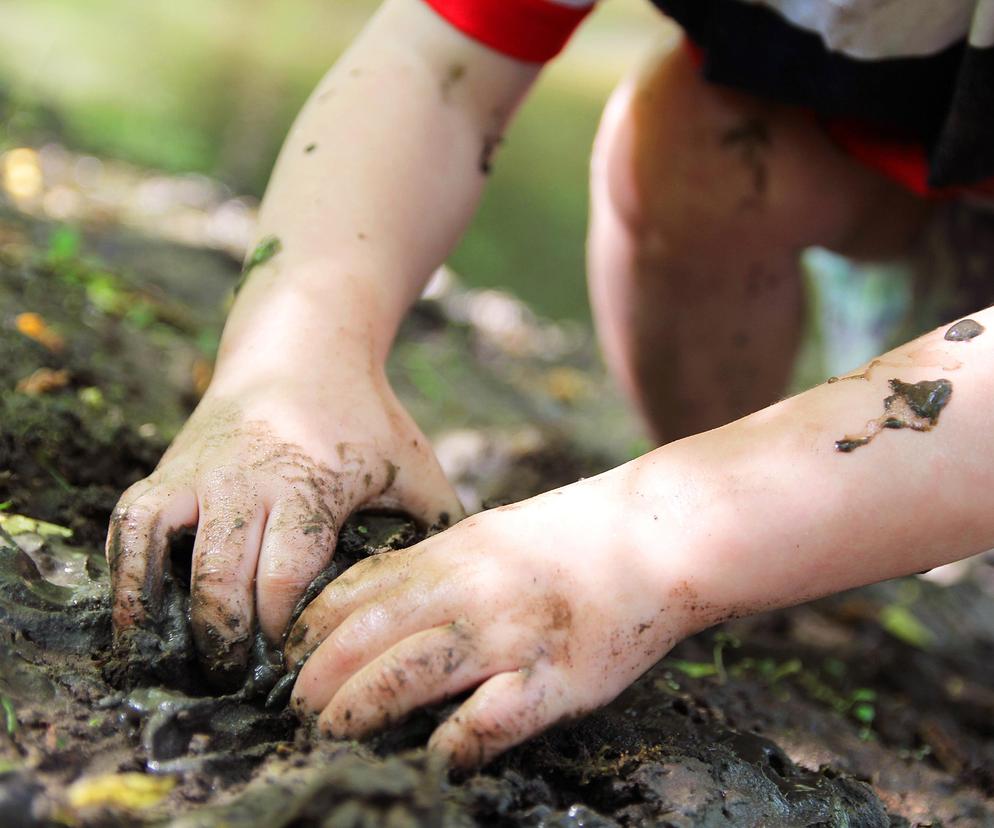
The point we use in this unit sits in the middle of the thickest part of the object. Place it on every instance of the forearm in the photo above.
(776, 514)
(375, 183)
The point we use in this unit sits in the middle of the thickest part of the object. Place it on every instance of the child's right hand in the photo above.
(268, 470)
(300, 427)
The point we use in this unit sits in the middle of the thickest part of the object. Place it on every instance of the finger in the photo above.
(297, 546)
(425, 668)
(225, 554)
(505, 711)
(417, 485)
(137, 543)
(367, 632)
(363, 582)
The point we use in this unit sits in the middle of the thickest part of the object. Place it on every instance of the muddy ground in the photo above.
(874, 708)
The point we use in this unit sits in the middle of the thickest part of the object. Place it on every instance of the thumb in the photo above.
(418, 486)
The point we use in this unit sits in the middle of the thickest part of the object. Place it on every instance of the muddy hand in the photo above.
(267, 476)
(544, 607)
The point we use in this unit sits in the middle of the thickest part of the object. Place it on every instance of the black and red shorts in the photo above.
(905, 86)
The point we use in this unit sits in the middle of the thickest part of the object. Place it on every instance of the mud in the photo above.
(964, 331)
(919, 358)
(491, 143)
(871, 709)
(454, 75)
(644, 757)
(912, 405)
(752, 141)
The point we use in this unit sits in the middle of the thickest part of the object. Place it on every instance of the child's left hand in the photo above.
(551, 607)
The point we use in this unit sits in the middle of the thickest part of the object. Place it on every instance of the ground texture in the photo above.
(874, 708)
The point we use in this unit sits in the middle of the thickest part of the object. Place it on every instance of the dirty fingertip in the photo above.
(295, 644)
(331, 724)
(300, 702)
(449, 742)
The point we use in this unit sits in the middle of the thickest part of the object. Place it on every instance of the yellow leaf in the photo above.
(128, 791)
(19, 524)
(43, 381)
(34, 326)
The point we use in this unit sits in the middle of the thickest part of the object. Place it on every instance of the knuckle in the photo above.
(340, 653)
(305, 529)
(132, 513)
(284, 583)
(491, 723)
(445, 658)
(226, 478)
(282, 587)
(132, 493)
(224, 537)
(219, 578)
(390, 681)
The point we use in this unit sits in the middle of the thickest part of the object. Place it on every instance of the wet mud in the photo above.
(912, 405)
(964, 331)
(874, 708)
(637, 760)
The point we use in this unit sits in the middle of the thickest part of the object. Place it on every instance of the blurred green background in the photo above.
(188, 86)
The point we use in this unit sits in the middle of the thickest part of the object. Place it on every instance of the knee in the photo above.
(651, 180)
(618, 170)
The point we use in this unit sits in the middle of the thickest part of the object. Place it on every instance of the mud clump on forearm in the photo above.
(916, 406)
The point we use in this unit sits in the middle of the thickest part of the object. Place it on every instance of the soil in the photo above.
(873, 708)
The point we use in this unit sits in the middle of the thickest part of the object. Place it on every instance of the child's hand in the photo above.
(268, 472)
(549, 605)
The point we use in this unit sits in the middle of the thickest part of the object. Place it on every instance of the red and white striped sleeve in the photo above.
(531, 30)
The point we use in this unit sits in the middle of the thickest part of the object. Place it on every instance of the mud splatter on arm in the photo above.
(453, 76)
(964, 331)
(916, 406)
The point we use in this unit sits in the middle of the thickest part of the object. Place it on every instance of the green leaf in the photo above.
(902, 624)
(263, 252)
(63, 245)
(864, 694)
(91, 396)
(864, 713)
(10, 715)
(788, 668)
(141, 314)
(104, 292)
(694, 669)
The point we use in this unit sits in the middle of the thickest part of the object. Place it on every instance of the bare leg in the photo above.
(702, 200)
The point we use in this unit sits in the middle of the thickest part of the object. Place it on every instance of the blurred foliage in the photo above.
(212, 88)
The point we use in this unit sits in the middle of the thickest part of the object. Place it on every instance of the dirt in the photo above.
(964, 331)
(874, 708)
(912, 405)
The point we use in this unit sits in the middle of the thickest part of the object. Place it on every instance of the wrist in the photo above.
(313, 332)
(691, 521)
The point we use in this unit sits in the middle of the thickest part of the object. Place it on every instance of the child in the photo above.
(702, 198)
